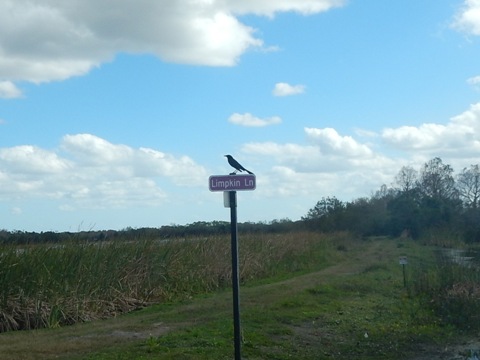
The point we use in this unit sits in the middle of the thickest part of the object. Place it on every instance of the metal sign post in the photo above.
(229, 184)
(235, 278)
(403, 261)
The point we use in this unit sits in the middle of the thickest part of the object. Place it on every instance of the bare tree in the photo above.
(468, 185)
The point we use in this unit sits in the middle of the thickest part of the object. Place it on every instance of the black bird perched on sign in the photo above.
(236, 165)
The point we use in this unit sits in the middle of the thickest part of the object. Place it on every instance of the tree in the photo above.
(406, 179)
(436, 180)
(468, 186)
(440, 206)
(326, 206)
(368, 216)
(326, 215)
(405, 215)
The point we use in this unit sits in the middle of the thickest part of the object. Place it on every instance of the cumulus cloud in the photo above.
(284, 89)
(468, 18)
(459, 137)
(90, 149)
(330, 142)
(248, 119)
(326, 150)
(89, 171)
(27, 159)
(8, 90)
(53, 40)
(328, 162)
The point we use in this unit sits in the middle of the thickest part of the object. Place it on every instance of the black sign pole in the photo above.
(235, 272)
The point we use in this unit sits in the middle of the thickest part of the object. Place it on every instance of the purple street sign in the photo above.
(231, 182)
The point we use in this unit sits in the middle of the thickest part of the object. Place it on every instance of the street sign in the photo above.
(231, 182)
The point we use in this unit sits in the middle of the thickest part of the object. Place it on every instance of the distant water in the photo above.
(463, 257)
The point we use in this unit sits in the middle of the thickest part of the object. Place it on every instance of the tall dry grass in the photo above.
(55, 285)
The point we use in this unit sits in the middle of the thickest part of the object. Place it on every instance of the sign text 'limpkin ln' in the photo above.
(231, 182)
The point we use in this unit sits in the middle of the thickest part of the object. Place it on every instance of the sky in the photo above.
(114, 113)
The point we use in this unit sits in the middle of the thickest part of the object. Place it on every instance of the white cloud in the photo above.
(53, 40)
(88, 171)
(93, 150)
(330, 142)
(426, 136)
(330, 163)
(468, 18)
(8, 90)
(460, 137)
(248, 119)
(269, 8)
(284, 89)
(27, 159)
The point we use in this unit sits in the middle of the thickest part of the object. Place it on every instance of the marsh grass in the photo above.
(49, 286)
(55, 285)
(451, 289)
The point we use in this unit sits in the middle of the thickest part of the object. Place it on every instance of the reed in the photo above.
(55, 285)
(451, 288)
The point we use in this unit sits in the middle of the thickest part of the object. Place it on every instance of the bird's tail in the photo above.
(249, 172)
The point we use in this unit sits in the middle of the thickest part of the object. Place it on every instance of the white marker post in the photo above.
(229, 184)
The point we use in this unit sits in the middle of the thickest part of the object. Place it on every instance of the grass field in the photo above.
(303, 296)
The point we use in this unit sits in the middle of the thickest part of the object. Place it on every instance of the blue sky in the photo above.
(114, 116)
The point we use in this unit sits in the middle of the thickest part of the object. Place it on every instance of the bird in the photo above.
(236, 165)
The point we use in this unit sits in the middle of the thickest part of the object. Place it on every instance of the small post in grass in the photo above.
(403, 261)
(229, 184)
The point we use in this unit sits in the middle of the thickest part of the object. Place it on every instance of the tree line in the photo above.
(421, 201)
